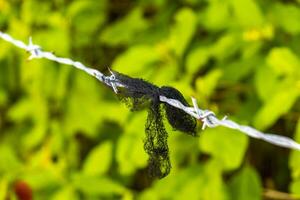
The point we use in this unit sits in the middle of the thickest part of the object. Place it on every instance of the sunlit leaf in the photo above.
(294, 160)
(197, 59)
(225, 46)
(3, 97)
(266, 83)
(98, 160)
(283, 61)
(125, 30)
(225, 145)
(216, 16)
(276, 106)
(9, 160)
(246, 185)
(136, 60)
(66, 193)
(286, 16)
(247, 13)
(94, 186)
(206, 85)
(130, 152)
(87, 16)
(205, 180)
(183, 30)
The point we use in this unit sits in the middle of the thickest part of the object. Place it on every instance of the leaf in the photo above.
(283, 61)
(294, 161)
(42, 179)
(136, 60)
(286, 17)
(206, 85)
(246, 185)
(197, 59)
(239, 70)
(130, 153)
(9, 161)
(247, 13)
(83, 110)
(58, 36)
(41, 9)
(276, 106)
(205, 179)
(95, 186)
(125, 30)
(225, 145)
(207, 182)
(226, 46)
(4, 185)
(216, 16)
(295, 188)
(66, 193)
(266, 83)
(87, 16)
(3, 97)
(183, 31)
(35, 110)
(98, 160)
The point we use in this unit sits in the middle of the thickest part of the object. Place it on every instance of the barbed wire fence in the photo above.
(208, 117)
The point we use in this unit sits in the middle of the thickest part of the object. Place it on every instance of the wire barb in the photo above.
(208, 118)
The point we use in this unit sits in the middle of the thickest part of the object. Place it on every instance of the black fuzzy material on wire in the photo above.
(139, 94)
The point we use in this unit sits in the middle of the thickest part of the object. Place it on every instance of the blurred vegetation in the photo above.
(66, 136)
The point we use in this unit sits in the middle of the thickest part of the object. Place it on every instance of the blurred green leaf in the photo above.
(294, 161)
(136, 60)
(3, 188)
(83, 111)
(286, 17)
(229, 150)
(295, 188)
(283, 61)
(205, 180)
(125, 30)
(130, 152)
(3, 97)
(238, 70)
(246, 185)
(216, 16)
(247, 13)
(9, 160)
(35, 110)
(95, 186)
(226, 46)
(207, 85)
(276, 106)
(183, 30)
(33, 8)
(21, 110)
(99, 160)
(197, 59)
(42, 179)
(266, 83)
(58, 36)
(87, 16)
(66, 193)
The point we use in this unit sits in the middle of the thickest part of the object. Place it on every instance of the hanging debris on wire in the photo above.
(139, 94)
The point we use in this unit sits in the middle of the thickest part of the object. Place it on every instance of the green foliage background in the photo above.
(68, 137)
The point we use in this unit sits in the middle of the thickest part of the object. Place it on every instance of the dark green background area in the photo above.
(68, 137)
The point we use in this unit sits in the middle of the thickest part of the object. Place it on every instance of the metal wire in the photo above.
(208, 118)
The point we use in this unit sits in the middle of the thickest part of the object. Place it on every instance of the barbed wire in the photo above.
(208, 118)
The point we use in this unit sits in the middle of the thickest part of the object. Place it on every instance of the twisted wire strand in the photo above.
(208, 118)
